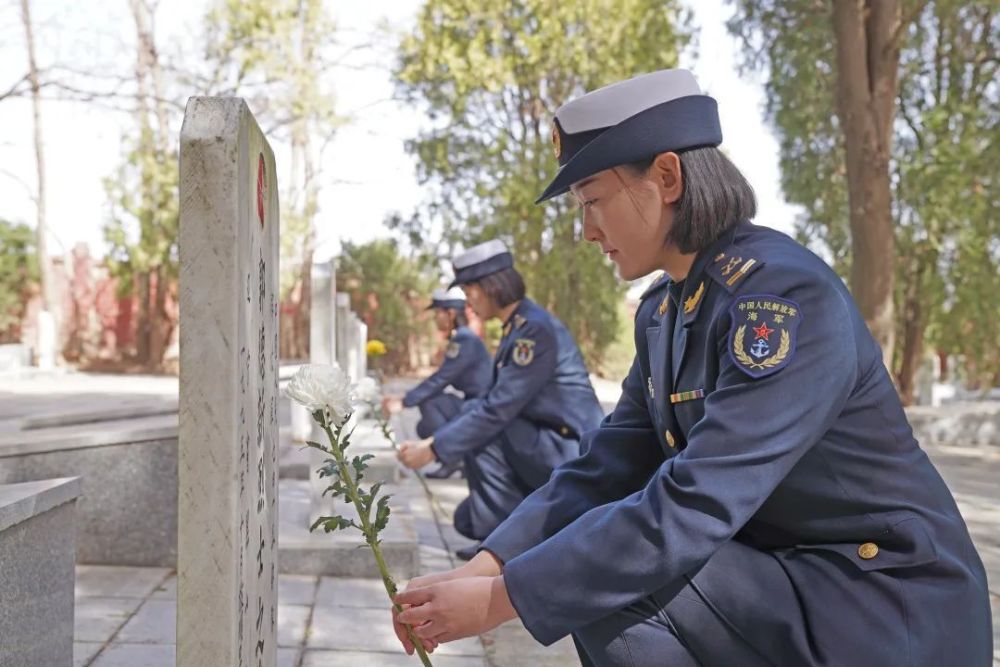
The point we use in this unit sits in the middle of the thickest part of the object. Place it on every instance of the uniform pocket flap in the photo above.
(903, 542)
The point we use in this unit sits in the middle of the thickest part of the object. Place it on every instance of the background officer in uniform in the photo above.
(531, 420)
(757, 496)
(466, 370)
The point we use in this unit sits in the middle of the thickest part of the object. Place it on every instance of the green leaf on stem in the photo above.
(332, 523)
(382, 513)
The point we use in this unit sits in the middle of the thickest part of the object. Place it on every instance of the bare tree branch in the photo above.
(20, 181)
(903, 24)
(14, 90)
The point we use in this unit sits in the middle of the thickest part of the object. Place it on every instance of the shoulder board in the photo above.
(655, 286)
(732, 266)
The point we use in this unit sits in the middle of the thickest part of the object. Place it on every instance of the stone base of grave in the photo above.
(342, 553)
(967, 424)
(37, 554)
(127, 512)
(294, 463)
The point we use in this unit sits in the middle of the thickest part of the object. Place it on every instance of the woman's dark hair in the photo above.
(460, 319)
(503, 287)
(716, 198)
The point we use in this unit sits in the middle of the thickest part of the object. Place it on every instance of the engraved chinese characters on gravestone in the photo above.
(227, 535)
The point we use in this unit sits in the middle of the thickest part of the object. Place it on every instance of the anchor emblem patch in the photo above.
(755, 320)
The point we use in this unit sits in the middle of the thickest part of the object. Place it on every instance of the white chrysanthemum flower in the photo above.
(321, 387)
(367, 391)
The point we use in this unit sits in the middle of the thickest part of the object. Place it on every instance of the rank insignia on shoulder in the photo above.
(453, 350)
(762, 335)
(731, 267)
(524, 351)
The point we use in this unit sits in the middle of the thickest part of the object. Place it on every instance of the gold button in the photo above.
(670, 438)
(868, 550)
(564, 430)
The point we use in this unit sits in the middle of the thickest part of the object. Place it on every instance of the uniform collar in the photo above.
(517, 317)
(689, 294)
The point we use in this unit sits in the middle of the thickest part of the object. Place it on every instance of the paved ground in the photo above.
(125, 616)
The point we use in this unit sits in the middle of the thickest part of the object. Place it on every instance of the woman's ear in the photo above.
(666, 173)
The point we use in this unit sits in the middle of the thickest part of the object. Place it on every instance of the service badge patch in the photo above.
(524, 351)
(762, 335)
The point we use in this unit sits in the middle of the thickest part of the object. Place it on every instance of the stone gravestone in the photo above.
(343, 322)
(323, 318)
(362, 348)
(323, 314)
(227, 469)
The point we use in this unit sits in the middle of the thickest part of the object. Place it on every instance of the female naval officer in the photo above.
(466, 369)
(757, 496)
(531, 419)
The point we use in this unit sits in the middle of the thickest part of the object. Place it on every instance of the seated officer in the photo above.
(757, 496)
(466, 369)
(531, 420)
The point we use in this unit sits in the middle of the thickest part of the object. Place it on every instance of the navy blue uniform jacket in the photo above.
(541, 399)
(466, 367)
(798, 447)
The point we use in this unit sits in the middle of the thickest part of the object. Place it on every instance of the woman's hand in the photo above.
(484, 564)
(391, 404)
(415, 455)
(451, 610)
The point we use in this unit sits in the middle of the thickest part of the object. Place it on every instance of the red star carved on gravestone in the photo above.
(762, 331)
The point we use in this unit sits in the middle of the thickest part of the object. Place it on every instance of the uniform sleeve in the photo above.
(752, 434)
(623, 453)
(515, 386)
(449, 372)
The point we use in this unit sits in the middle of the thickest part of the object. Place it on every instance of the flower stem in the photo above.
(387, 433)
(372, 539)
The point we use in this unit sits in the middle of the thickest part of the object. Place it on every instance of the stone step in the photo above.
(342, 553)
(296, 465)
(296, 460)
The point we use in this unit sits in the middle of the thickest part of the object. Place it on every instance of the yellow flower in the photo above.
(375, 348)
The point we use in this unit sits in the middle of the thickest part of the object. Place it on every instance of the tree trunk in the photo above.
(154, 320)
(914, 323)
(159, 321)
(866, 35)
(143, 325)
(50, 301)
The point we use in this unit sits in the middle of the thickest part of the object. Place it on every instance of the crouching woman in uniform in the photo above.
(532, 418)
(757, 496)
(466, 370)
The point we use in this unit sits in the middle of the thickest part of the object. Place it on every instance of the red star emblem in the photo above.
(762, 331)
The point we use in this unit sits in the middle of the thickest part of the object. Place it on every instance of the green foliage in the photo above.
(491, 75)
(142, 230)
(388, 291)
(943, 165)
(18, 272)
(345, 483)
(273, 53)
(346, 486)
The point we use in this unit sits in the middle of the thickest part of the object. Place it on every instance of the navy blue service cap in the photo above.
(630, 121)
(448, 298)
(480, 261)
